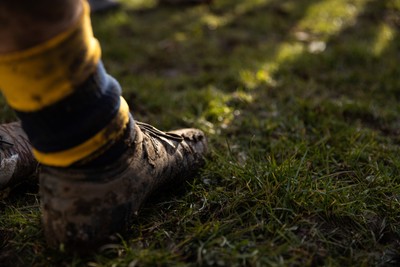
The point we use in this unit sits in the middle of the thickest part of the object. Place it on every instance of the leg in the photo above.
(44, 18)
(99, 165)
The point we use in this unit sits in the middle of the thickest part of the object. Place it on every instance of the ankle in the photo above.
(113, 152)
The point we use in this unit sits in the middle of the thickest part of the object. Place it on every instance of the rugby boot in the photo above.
(82, 208)
(16, 159)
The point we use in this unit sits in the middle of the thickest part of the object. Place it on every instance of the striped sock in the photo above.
(70, 108)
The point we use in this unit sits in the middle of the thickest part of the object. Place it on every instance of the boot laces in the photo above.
(154, 132)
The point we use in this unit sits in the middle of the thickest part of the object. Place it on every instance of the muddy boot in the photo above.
(16, 159)
(83, 208)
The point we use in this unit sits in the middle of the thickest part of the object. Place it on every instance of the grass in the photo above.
(299, 99)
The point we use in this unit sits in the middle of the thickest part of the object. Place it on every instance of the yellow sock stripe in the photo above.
(42, 75)
(66, 158)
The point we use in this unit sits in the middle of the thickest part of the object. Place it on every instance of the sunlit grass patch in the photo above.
(327, 18)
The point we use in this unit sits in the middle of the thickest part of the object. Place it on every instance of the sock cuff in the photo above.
(91, 147)
(42, 75)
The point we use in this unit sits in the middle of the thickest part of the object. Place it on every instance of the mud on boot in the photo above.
(16, 159)
(83, 208)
